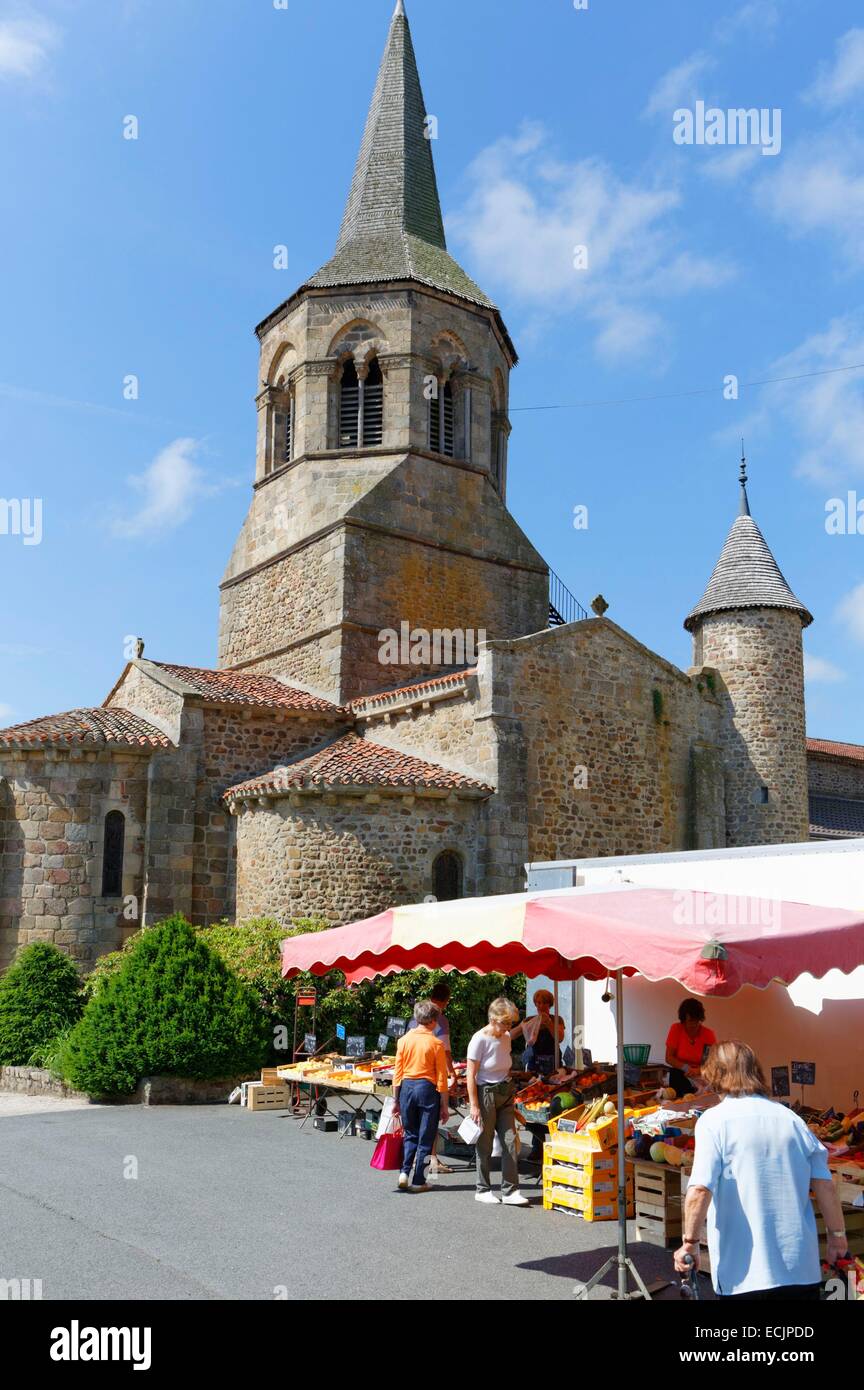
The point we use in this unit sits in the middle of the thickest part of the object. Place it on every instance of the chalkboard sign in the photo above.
(340, 1031)
(383, 1042)
(396, 1027)
(804, 1073)
(587, 1059)
(310, 1044)
(780, 1081)
(355, 1047)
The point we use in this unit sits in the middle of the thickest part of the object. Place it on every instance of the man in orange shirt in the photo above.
(420, 1089)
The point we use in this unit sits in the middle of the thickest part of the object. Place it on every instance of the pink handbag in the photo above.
(388, 1153)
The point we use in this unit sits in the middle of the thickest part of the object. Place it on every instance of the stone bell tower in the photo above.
(747, 627)
(379, 494)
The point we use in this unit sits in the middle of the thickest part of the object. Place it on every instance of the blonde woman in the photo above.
(490, 1094)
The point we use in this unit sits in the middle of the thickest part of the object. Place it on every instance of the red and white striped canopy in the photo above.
(710, 946)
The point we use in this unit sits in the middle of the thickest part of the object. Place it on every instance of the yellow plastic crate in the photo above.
(603, 1181)
(603, 1208)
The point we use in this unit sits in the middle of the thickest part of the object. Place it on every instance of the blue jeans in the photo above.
(420, 1106)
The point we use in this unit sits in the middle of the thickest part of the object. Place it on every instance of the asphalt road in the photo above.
(232, 1205)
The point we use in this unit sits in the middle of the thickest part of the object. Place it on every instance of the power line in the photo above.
(697, 391)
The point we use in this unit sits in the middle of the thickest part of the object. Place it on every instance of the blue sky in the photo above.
(154, 257)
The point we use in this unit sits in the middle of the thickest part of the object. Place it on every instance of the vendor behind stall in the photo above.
(539, 1034)
(686, 1047)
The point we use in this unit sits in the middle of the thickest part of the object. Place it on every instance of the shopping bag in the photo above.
(388, 1153)
(388, 1122)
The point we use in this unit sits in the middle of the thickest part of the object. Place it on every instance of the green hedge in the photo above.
(40, 997)
(170, 1006)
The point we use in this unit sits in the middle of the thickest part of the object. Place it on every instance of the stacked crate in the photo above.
(581, 1179)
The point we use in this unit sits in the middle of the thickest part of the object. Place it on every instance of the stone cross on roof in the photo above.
(392, 228)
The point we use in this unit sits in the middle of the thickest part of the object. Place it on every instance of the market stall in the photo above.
(615, 931)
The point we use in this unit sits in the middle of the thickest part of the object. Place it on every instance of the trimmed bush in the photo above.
(172, 1008)
(40, 996)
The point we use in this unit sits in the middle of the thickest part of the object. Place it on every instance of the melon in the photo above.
(673, 1155)
(631, 1148)
(658, 1152)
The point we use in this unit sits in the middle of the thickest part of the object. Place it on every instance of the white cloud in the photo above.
(822, 409)
(526, 213)
(819, 187)
(818, 670)
(680, 86)
(168, 490)
(836, 82)
(850, 610)
(756, 18)
(6, 713)
(727, 166)
(25, 45)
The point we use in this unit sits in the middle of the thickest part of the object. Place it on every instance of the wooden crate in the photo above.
(269, 1098)
(270, 1076)
(658, 1204)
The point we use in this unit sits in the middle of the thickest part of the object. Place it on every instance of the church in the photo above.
(322, 767)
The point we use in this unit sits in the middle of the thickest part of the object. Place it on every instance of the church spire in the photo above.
(746, 574)
(392, 228)
(394, 180)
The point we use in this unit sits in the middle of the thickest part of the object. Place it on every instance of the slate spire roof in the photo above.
(392, 228)
(746, 575)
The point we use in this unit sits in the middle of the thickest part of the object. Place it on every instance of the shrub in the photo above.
(173, 1008)
(40, 996)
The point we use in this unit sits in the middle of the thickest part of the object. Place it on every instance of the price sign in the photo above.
(383, 1042)
(780, 1081)
(587, 1059)
(396, 1027)
(355, 1047)
(310, 1044)
(340, 1031)
(804, 1073)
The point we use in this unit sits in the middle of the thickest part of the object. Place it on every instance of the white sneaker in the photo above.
(403, 1181)
(488, 1197)
(515, 1199)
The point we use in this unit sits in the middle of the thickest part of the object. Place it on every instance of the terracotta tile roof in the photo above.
(419, 688)
(853, 751)
(238, 688)
(352, 761)
(836, 818)
(86, 727)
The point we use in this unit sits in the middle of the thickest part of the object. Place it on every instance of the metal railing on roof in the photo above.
(563, 607)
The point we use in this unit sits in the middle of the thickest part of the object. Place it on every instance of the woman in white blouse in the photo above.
(490, 1093)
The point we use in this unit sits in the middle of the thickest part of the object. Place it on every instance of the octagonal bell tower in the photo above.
(380, 485)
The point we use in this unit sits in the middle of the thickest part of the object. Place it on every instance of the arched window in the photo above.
(112, 854)
(441, 432)
(447, 876)
(361, 406)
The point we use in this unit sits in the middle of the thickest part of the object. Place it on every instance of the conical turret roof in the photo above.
(392, 228)
(746, 575)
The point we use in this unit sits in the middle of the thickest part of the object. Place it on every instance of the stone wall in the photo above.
(599, 733)
(758, 654)
(829, 776)
(53, 805)
(344, 858)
